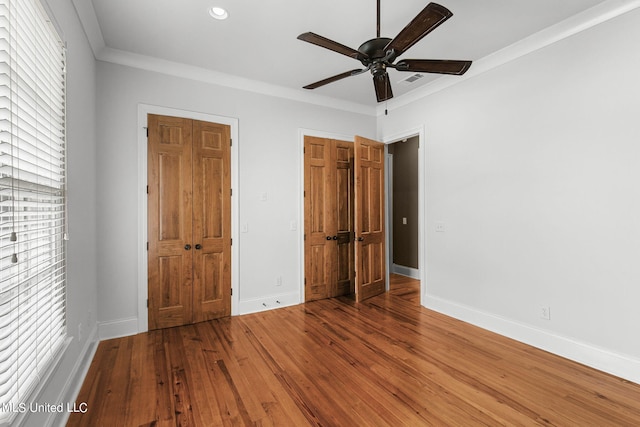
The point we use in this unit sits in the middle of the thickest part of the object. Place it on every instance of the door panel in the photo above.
(211, 221)
(169, 221)
(369, 218)
(318, 224)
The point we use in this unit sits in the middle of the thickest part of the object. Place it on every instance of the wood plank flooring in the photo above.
(385, 362)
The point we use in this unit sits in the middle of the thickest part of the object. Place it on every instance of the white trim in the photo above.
(71, 389)
(143, 111)
(301, 134)
(87, 16)
(405, 271)
(388, 206)
(621, 365)
(118, 328)
(89, 21)
(582, 21)
(573, 25)
(204, 75)
(422, 201)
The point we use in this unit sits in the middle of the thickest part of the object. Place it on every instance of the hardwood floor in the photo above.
(387, 361)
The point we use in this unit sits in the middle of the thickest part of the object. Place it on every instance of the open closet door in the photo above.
(369, 218)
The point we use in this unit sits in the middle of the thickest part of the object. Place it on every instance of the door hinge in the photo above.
(231, 242)
(147, 245)
(305, 280)
(147, 303)
(305, 237)
(230, 142)
(147, 189)
(147, 132)
(231, 191)
(231, 291)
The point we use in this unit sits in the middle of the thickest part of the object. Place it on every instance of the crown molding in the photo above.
(573, 25)
(204, 75)
(87, 16)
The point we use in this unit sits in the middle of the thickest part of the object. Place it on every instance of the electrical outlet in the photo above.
(545, 313)
(440, 228)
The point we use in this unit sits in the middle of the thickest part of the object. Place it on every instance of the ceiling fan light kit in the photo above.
(379, 54)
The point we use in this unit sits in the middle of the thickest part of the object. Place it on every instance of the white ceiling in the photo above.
(258, 41)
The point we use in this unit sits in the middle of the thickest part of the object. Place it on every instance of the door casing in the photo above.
(422, 203)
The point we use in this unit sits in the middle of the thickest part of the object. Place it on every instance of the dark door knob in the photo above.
(335, 237)
(328, 237)
(198, 246)
(187, 247)
(360, 239)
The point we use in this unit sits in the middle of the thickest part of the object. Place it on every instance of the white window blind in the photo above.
(32, 199)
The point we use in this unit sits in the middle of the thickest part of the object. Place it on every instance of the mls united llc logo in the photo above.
(24, 407)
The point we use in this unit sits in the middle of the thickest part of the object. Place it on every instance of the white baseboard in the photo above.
(269, 303)
(620, 365)
(71, 389)
(118, 328)
(129, 326)
(405, 271)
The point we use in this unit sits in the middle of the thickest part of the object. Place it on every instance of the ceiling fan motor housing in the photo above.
(373, 49)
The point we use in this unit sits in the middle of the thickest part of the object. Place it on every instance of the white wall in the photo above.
(534, 168)
(270, 161)
(62, 386)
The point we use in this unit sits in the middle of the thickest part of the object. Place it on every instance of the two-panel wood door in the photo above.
(329, 215)
(189, 221)
(369, 218)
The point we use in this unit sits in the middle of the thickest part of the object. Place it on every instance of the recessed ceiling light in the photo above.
(218, 13)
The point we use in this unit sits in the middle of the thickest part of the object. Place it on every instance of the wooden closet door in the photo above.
(170, 258)
(211, 221)
(189, 221)
(329, 258)
(319, 223)
(369, 218)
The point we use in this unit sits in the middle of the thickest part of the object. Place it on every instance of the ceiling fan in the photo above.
(378, 54)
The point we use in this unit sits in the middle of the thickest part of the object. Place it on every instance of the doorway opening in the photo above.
(403, 189)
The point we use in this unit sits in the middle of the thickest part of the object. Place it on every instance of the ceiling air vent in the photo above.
(411, 79)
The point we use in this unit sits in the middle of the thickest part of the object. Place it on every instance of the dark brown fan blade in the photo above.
(440, 66)
(331, 45)
(426, 21)
(334, 78)
(383, 87)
